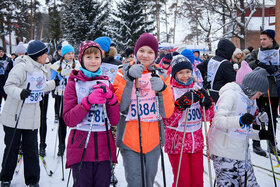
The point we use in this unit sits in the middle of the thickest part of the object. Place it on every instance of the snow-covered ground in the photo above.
(54, 164)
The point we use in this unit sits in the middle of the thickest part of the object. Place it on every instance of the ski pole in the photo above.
(68, 180)
(246, 154)
(160, 140)
(14, 133)
(272, 168)
(85, 148)
(60, 125)
(108, 138)
(181, 153)
(140, 135)
(207, 148)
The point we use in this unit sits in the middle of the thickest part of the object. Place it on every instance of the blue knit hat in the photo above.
(36, 49)
(104, 42)
(270, 33)
(67, 49)
(189, 54)
(178, 63)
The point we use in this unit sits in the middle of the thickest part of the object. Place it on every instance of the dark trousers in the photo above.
(62, 125)
(93, 174)
(43, 123)
(263, 103)
(30, 155)
(57, 102)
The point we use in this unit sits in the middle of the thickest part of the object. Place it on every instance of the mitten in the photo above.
(108, 94)
(246, 119)
(266, 135)
(135, 71)
(157, 84)
(25, 93)
(56, 81)
(271, 69)
(204, 98)
(95, 97)
(186, 100)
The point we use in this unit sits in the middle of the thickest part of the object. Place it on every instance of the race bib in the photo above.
(212, 68)
(37, 84)
(147, 101)
(109, 70)
(267, 56)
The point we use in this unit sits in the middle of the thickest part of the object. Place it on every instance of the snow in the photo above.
(56, 180)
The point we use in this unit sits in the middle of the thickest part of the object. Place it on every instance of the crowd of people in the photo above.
(140, 103)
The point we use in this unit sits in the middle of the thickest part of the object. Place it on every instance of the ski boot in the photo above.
(34, 185)
(257, 148)
(5, 183)
(61, 149)
(42, 151)
(114, 179)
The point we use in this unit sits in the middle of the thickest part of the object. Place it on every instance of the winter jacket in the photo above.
(173, 138)
(111, 60)
(225, 72)
(252, 63)
(30, 114)
(6, 64)
(221, 143)
(74, 113)
(128, 133)
(168, 69)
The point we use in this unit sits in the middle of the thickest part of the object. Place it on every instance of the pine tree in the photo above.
(84, 20)
(23, 21)
(55, 31)
(129, 23)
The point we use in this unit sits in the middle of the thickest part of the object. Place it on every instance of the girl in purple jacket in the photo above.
(85, 90)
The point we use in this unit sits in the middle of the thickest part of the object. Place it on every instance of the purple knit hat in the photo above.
(147, 39)
(84, 45)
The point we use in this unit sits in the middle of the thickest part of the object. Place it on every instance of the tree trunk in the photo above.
(31, 21)
(158, 19)
(277, 21)
(242, 28)
(175, 16)
(10, 42)
(166, 24)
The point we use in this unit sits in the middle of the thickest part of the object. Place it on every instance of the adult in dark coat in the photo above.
(6, 64)
(267, 57)
(218, 70)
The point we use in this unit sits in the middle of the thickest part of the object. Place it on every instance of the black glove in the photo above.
(266, 135)
(56, 80)
(206, 84)
(246, 119)
(25, 93)
(204, 98)
(186, 100)
(269, 68)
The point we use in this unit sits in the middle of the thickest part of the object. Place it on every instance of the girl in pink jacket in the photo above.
(86, 92)
(187, 94)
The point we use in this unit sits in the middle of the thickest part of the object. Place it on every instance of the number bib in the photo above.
(147, 101)
(212, 68)
(3, 66)
(37, 84)
(267, 56)
(243, 103)
(194, 117)
(109, 70)
(61, 87)
(83, 89)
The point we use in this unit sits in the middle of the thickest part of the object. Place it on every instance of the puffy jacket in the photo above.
(74, 113)
(173, 139)
(30, 114)
(225, 120)
(127, 133)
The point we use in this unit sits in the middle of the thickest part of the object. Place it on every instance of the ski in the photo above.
(50, 173)
(277, 178)
(19, 161)
(277, 173)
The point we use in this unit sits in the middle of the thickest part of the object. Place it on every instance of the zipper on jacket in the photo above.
(74, 133)
(192, 143)
(95, 146)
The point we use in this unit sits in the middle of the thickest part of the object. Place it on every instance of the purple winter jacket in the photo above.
(73, 114)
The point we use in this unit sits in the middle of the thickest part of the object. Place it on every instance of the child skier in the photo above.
(128, 134)
(236, 109)
(62, 69)
(187, 94)
(28, 70)
(85, 89)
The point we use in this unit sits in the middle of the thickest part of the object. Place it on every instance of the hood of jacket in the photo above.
(225, 49)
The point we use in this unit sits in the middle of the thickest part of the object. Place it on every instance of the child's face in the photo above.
(165, 65)
(184, 75)
(256, 96)
(42, 59)
(69, 56)
(92, 61)
(145, 55)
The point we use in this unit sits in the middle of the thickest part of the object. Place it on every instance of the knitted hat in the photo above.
(256, 80)
(270, 33)
(128, 52)
(244, 70)
(2, 49)
(146, 39)
(20, 48)
(36, 49)
(250, 48)
(167, 58)
(67, 49)
(189, 54)
(104, 42)
(59, 47)
(84, 45)
(178, 63)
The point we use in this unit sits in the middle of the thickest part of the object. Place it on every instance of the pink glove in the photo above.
(95, 97)
(108, 94)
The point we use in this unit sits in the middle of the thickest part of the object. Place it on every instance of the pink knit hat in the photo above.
(244, 70)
